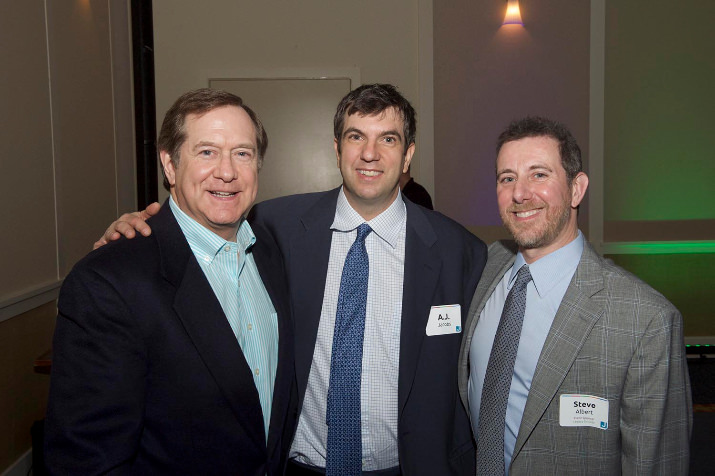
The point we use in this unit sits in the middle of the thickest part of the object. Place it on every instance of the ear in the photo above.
(578, 189)
(337, 154)
(408, 158)
(169, 170)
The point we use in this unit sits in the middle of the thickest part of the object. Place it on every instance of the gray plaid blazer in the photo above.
(615, 337)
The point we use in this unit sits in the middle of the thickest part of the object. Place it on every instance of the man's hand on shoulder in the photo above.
(128, 224)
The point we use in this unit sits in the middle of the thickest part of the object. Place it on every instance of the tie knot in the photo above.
(523, 276)
(362, 232)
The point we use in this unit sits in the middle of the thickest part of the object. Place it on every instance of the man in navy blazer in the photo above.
(428, 434)
(424, 268)
(149, 374)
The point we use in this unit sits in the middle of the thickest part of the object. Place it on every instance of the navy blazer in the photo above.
(147, 375)
(443, 263)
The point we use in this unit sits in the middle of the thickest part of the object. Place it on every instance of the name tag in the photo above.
(444, 320)
(583, 410)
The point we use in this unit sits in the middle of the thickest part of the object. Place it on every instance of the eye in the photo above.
(206, 153)
(354, 136)
(243, 155)
(506, 180)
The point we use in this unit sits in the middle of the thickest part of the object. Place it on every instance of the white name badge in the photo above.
(444, 320)
(583, 410)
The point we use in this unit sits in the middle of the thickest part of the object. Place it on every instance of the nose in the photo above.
(521, 191)
(225, 168)
(369, 151)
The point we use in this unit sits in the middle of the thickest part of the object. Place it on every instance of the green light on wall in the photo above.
(659, 248)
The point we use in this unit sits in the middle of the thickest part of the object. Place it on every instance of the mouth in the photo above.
(527, 213)
(218, 194)
(369, 173)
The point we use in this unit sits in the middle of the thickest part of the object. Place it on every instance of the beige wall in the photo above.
(67, 169)
(486, 75)
(271, 37)
(24, 393)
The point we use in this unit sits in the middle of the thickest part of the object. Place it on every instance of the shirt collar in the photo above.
(204, 243)
(383, 225)
(548, 271)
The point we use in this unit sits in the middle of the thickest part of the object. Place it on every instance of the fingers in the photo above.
(151, 210)
(128, 224)
(108, 236)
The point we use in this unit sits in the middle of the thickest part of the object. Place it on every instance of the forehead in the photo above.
(227, 120)
(530, 152)
(389, 119)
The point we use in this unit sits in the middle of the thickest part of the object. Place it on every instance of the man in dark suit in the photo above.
(420, 263)
(598, 380)
(173, 353)
(423, 268)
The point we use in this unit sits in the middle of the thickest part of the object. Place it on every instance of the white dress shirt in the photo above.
(381, 344)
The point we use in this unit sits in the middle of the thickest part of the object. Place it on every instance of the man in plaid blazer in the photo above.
(600, 383)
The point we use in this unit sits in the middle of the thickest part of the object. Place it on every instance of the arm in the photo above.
(128, 224)
(656, 413)
(97, 391)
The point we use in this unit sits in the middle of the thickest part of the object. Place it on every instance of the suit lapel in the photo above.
(270, 267)
(500, 260)
(308, 265)
(572, 324)
(206, 325)
(422, 270)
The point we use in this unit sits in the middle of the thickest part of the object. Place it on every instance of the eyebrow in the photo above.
(533, 167)
(390, 132)
(208, 143)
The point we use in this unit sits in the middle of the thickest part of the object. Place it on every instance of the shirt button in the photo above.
(250, 326)
(257, 372)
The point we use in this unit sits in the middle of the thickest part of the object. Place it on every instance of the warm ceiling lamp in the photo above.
(513, 15)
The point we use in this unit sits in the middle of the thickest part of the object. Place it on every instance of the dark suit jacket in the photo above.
(443, 262)
(148, 377)
(615, 337)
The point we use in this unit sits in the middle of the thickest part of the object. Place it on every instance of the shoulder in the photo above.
(121, 258)
(624, 295)
(449, 235)
(111, 274)
(444, 226)
(622, 284)
(282, 206)
(503, 248)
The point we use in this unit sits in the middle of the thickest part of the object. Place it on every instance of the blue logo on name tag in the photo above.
(604, 425)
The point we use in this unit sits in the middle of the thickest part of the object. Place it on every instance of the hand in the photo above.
(128, 224)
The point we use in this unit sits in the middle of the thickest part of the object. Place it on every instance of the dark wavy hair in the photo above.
(535, 126)
(372, 99)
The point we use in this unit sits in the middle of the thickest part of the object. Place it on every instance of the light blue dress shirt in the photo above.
(232, 273)
(551, 277)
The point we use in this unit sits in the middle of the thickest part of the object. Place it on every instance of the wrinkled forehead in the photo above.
(390, 116)
(529, 152)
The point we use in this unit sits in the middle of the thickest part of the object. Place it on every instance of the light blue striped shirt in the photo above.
(551, 277)
(232, 273)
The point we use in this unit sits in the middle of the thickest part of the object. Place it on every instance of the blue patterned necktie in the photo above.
(343, 415)
(497, 381)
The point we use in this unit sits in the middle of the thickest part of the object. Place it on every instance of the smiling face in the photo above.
(216, 179)
(371, 160)
(536, 202)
